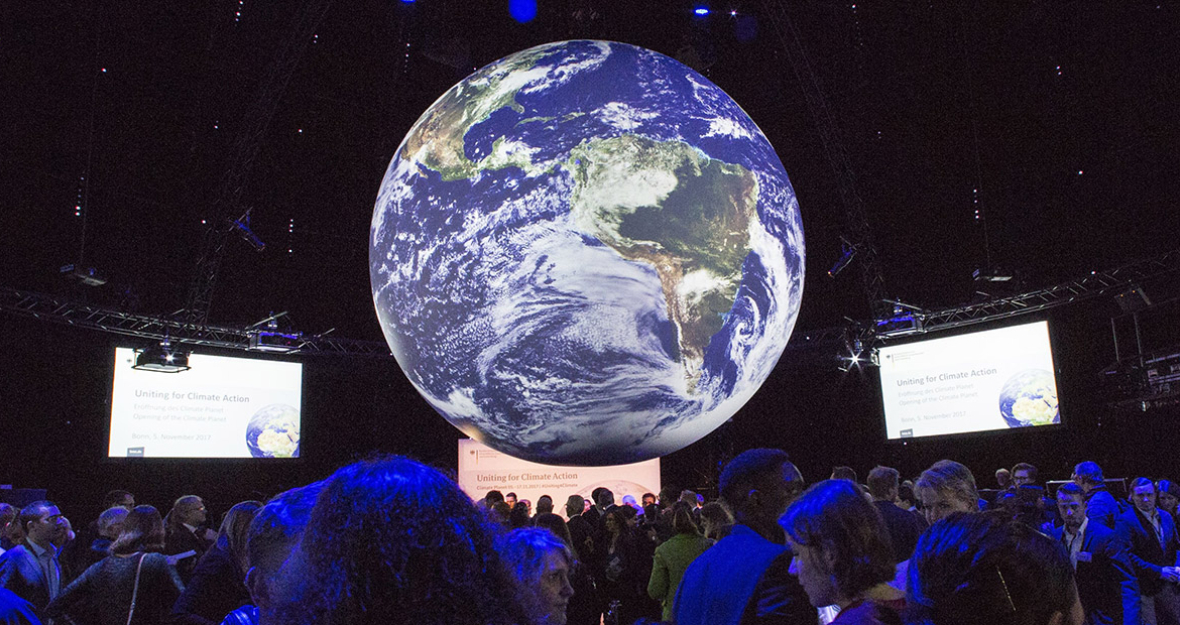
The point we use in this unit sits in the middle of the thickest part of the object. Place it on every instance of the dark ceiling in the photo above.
(1060, 118)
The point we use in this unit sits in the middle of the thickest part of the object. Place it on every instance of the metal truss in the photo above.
(60, 310)
(1093, 285)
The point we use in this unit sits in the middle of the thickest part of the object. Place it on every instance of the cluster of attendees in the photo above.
(391, 540)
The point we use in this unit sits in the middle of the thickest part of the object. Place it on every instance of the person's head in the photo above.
(494, 496)
(759, 484)
(840, 542)
(682, 520)
(1088, 475)
(689, 497)
(621, 519)
(510, 499)
(541, 563)
(648, 499)
(604, 498)
(39, 521)
(844, 473)
(519, 515)
(1003, 478)
(946, 487)
(544, 504)
(574, 506)
(392, 540)
(905, 495)
(714, 518)
(882, 483)
(231, 537)
(110, 522)
(1142, 495)
(143, 530)
(1167, 495)
(64, 533)
(7, 516)
(981, 569)
(274, 532)
(189, 510)
(1024, 473)
(500, 513)
(557, 525)
(668, 495)
(119, 498)
(1071, 505)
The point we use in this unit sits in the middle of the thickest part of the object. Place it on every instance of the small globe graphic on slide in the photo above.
(273, 432)
(1030, 398)
(586, 254)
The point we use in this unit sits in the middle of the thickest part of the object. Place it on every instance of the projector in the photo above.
(275, 342)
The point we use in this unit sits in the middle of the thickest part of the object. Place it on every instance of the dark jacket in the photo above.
(744, 578)
(1106, 581)
(904, 529)
(21, 573)
(180, 541)
(217, 587)
(1147, 555)
(102, 595)
(1102, 507)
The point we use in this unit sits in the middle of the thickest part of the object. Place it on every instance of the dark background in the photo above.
(1056, 120)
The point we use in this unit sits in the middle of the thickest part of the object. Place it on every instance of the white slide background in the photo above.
(200, 413)
(953, 385)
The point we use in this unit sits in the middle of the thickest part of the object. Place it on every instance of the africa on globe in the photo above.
(1030, 398)
(586, 253)
(273, 432)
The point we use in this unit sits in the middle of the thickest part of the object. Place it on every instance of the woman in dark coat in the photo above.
(137, 581)
(218, 584)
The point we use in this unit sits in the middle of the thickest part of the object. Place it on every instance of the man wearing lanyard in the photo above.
(30, 569)
(1153, 554)
(1106, 585)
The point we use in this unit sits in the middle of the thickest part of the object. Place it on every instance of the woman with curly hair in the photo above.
(394, 541)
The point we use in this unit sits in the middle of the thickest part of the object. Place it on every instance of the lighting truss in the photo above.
(60, 310)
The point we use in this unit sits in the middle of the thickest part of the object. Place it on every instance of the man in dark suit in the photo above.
(580, 529)
(1154, 546)
(30, 569)
(1106, 583)
(904, 527)
(1100, 504)
(745, 578)
(186, 534)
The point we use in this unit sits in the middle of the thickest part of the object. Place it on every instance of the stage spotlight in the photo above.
(523, 11)
(701, 10)
(161, 359)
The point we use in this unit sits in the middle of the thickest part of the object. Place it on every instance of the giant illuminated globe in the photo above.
(586, 253)
(1030, 398)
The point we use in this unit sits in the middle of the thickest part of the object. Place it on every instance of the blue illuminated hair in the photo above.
(1140, 482)
(834, 516)
(276, 528)
(1089, 472)
(524, 551)
(740, 475)
(394, 541)
(950, 477)
(1070, 489)
(983, 569)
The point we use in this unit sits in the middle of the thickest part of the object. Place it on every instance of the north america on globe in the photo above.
(586, 253)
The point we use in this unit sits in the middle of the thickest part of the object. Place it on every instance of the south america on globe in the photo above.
(586, 253)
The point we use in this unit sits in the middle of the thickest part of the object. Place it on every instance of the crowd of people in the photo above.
(391, 540)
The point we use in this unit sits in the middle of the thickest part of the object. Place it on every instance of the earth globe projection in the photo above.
(273, 432)
(1030, 398)
(586, 253)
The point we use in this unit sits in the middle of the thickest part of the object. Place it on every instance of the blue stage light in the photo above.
(701, 10)
(522, 11)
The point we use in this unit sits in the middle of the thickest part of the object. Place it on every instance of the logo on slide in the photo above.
(1030, 398)
(273, 432)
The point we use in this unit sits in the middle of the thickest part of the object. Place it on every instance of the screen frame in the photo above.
(111, 362)
(975, 329)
